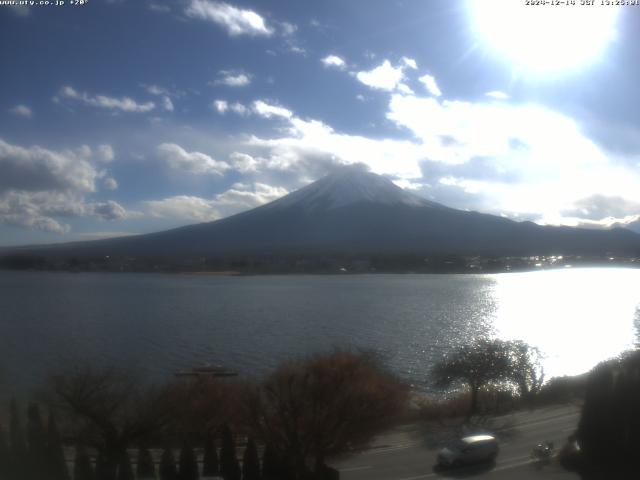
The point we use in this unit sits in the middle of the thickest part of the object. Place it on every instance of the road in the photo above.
(409, 452)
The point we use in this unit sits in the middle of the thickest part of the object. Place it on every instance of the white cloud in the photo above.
(104, 153)
(37, 168)
(541, 161)
(178, 158)
(267, 111)
(404, 88)
(35, 210)
(239, 108)
(110, 183)
(309, 139)
(124, 104)
(156, 90)
(288, 29)
(497, 95)
(183, 207)
(166, 95)
(410, 62)
(22, 111)
(242, 197)
(235, 20)
(297, 49)
(39, 187)
(156, 7)
(238, 198)
(602, 207)
(243, 162)
(109, 210)
(259, 107)
(430, 82)
(383, 77)
(167, 104)
(522, 160)
(221, 106)
(233, 79)
(333, 61)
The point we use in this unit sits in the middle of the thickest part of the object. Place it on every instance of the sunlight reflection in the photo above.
(576, 317)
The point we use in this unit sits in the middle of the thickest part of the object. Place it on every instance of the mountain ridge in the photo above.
(354, 212)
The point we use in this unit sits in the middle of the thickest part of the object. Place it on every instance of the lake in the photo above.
(158, 324)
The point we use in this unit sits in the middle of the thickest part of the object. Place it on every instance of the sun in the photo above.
(545, 37)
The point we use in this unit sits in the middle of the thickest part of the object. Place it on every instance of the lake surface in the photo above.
(158, 324)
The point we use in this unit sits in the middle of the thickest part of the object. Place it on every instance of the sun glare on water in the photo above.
(545, 38)
(577, 318)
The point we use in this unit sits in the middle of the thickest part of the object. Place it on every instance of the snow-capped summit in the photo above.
(355, 212)
(350, 185)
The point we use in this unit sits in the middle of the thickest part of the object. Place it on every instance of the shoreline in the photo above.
(239, 273)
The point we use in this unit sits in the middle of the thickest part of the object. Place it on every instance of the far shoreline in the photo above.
(334, 273)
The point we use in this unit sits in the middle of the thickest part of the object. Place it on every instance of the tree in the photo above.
(609, 428)
(145, 469)
(188, 463)
(525, 368)
(111, 410)
(17, 445)
(125, 471)
(327, 404)
(37, 443)
(477, 365)
(82, 469)
(106, 469)
(229, 466)
(168, 469)
(203, 404)
(5, 455)
(210, 464)
(272, 468)
(251, 462)
(56, 463)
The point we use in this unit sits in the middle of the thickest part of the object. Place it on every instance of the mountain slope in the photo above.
(356, 212)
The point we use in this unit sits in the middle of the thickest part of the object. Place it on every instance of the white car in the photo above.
(467, 450)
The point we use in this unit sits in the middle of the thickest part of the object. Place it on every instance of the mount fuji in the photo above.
(355, 212)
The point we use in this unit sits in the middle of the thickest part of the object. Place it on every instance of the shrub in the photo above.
(609, 428)
(327, 404)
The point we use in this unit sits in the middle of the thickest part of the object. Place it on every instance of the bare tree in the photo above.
(204, 405)
(110, 410)
(477, 365)
(309, 409)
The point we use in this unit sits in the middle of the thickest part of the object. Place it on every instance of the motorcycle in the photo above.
(542, 454)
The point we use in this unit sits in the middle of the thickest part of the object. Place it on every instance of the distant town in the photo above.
(307, 264)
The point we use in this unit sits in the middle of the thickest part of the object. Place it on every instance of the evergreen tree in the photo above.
(125, 471)
(57, 465)
(251, 462)
(188, 463)
(271, 464)
(229, 467)
(17, 447)
(145, 469)
(37, 450)
(5, 455)
(82, 469)
(609, 428)
(210, 467)
(105, 469)
(168, 469)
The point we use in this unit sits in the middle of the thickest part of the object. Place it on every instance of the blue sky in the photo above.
(122, 117)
